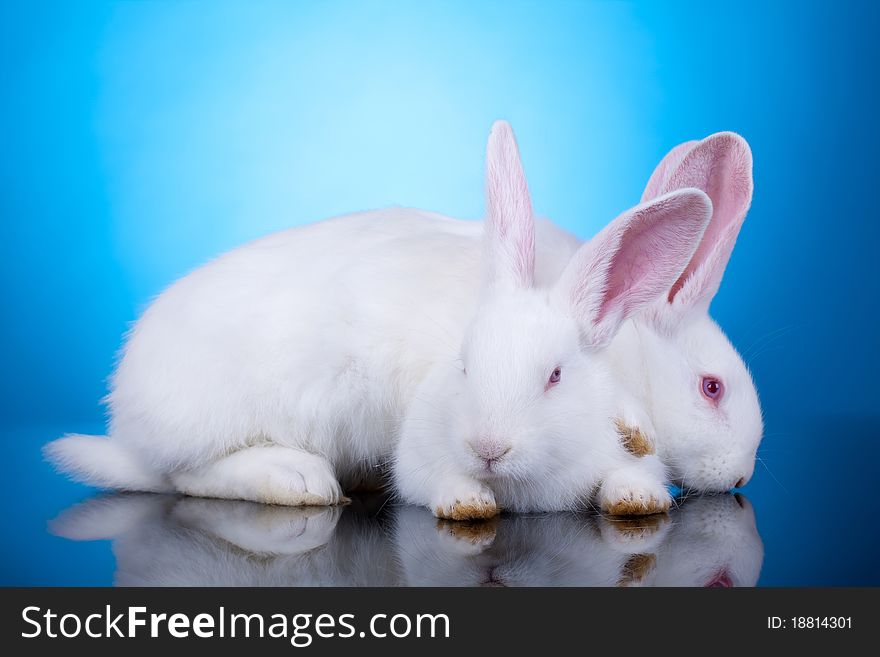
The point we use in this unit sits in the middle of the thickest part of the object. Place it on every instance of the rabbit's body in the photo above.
(313, 338)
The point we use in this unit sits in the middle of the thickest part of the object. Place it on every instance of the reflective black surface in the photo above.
(161, 540)
(805, 519)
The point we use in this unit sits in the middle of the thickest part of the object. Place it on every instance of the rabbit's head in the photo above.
(531, 355)
(702, 398)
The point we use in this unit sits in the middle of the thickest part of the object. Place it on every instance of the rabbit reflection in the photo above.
(161, 540)
(564, 549)
(708, 541)
(715, 542)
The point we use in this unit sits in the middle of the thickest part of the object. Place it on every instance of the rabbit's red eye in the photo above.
(555, 375)
(713, 389)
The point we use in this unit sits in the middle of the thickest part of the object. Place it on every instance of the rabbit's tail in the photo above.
(103, 463)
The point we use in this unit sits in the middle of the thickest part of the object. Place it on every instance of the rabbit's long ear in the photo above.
(510, 227)
(721, 166)
(657, 183)
(632, 262)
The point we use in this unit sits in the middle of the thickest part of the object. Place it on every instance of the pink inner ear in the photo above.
(720, 165)
(633, 261)
(656, 242)
(656, 184)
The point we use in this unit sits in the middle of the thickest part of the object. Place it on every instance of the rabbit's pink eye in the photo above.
(712, 388)
(555, 375)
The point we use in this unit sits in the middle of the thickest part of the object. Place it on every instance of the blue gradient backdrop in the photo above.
(141, 139)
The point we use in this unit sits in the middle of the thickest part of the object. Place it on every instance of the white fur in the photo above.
(658, 359)
(706, 448)
(104, 463)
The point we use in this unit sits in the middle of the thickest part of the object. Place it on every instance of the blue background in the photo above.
(141, 139)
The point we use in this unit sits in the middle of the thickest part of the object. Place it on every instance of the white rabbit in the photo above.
(684, 385)
(167, 540)
(501, 423)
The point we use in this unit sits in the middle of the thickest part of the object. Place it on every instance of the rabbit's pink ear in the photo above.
(720, 165)
(632, 262)
(510, 226)
(656, 184)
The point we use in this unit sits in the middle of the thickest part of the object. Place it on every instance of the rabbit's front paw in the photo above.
(633, 496)
(635, 436)
(467, 500)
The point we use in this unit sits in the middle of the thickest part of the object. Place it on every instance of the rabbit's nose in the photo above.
(741, 482)
(489, 450)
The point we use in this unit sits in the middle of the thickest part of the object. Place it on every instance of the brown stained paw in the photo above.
(476, 532)
(470, 510)
(636, 568)
(465, 499)
(633, 440)
(637, 506)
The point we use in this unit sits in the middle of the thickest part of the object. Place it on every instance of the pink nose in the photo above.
(489, 450)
